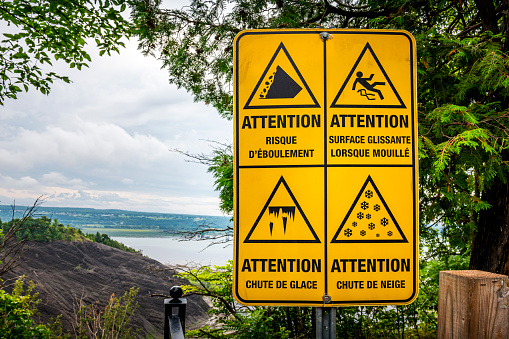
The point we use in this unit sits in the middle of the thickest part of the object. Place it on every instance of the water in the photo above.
(170, 250)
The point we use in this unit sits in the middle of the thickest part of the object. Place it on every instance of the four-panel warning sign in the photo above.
(325, 168)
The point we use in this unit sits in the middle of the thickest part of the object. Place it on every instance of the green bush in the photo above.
(17, 312)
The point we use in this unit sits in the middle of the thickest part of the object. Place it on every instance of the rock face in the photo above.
(67, 271)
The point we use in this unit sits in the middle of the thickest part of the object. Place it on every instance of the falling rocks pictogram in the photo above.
(280, 86)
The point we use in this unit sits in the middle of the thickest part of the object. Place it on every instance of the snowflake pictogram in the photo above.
(384, 222)
(376, 207)
(369, 194)
(378, 235)
(368, 216)
(363, 233)
(389, 233)
(371, 226)
(348, 232)
(364, 205)
(360, 215)
(354, 224)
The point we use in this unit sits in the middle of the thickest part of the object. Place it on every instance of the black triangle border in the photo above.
(369, 180)
(368, 47)
(281, 47)
(281, 181)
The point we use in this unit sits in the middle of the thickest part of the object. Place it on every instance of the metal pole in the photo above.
(325, 323)
(169, 316)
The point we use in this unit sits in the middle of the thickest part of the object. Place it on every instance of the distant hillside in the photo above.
(64, 271)
(91, 220)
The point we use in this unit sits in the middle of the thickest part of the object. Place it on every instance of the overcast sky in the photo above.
(103, 141)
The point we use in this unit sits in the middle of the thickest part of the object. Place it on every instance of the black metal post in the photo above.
(179, 304)
(325, 323)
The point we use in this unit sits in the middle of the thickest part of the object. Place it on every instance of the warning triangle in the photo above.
(281, 85)
(369, 219)
(368, 85)
(282, 220)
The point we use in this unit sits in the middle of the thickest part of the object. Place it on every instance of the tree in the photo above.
(463, 95)
(42, 32)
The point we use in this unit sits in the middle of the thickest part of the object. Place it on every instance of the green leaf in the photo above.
(87, 56)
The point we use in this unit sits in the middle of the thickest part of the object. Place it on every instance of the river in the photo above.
(170, 250)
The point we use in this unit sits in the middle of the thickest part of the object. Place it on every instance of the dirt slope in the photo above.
(65, 271)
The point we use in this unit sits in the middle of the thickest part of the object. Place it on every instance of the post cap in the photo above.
(176, 292)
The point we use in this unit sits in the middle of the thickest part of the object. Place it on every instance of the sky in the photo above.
(104, 141)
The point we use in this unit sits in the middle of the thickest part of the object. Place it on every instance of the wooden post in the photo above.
(473, 304)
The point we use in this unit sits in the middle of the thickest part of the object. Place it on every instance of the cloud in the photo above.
(103, 141)
(22, 192)
(84, 144)
(58, 179)
(127, 181)
(21, 183)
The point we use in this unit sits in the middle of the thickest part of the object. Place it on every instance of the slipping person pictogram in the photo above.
(364, 82)
(375, 90)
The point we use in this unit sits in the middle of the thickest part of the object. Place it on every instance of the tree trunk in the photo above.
(289, 324)
(490, 248)
(488, 15)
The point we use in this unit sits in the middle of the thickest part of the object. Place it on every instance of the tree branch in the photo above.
(358, 14)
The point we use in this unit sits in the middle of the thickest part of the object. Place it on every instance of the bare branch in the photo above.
(12, 248)
(203, 158)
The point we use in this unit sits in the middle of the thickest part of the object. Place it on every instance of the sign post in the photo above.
(326, 191)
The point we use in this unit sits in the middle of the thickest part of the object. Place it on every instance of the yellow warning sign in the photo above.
(325, 168)
(377, 269)
(369, 220)
(281, 85)
(282, 220)
(284, 265)
(368, 85)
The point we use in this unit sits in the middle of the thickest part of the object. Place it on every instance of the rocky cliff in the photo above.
(67, 271)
